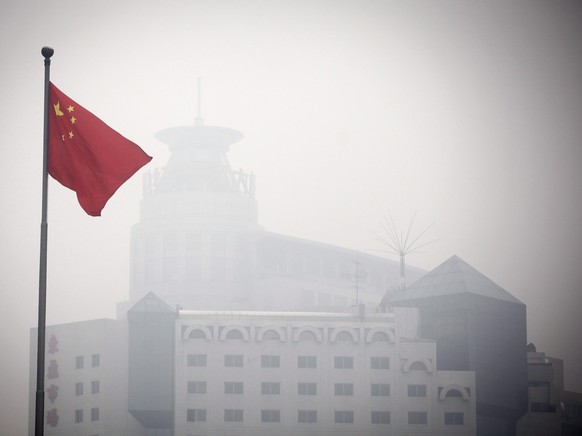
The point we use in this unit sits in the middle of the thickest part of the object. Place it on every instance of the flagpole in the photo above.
(47, 52)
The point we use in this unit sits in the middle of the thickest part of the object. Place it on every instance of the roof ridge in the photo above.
(454, 277)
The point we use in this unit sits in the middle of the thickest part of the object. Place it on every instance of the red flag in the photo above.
(86, 155)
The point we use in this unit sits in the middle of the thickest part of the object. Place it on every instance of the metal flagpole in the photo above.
(47, 52)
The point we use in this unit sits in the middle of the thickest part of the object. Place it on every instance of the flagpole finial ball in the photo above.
(47, 52)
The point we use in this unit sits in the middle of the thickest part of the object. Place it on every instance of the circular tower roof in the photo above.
(200, 136)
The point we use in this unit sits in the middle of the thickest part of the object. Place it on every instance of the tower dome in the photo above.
(198, 218)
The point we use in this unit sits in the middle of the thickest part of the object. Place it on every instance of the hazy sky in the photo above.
(468, 112)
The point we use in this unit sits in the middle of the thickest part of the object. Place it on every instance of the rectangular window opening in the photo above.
(307, 416)
(380, 417)
(343, 362)
(270, 361)
(196, 415)
(198, 360)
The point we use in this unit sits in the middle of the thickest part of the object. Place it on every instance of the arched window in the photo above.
(380, 334)
(271, 335)
(417, 366)
(454, 393)
(343, 334)
(307, 335)
(344, 337)
(234, 334)
(197, 334)
(380, 337)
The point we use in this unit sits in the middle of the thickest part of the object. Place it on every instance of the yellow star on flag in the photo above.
(58, 109)
(71, 109)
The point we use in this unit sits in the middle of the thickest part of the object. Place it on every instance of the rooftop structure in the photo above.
(477, 326)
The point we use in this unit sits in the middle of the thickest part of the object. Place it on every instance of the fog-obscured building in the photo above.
(551, 410)
(168, 372)
(199, 244)
(478, 326)
(86, 380)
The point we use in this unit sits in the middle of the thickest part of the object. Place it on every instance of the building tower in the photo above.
(478, 326)
(198, 220)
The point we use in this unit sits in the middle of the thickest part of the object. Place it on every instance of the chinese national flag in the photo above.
(86, 155)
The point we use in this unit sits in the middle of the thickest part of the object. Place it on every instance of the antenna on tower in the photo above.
(199, 121)
(401, 244)
(358, 274)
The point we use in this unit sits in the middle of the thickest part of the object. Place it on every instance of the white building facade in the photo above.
(251, 373)
(85, 380)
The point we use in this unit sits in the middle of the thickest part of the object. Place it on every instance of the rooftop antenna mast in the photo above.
(401, 244)
(199, 121)
(359, 274)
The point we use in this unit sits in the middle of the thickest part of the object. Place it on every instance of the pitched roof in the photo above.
(151, 303)
(453, 277)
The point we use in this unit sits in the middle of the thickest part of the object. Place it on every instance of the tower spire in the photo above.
(199, 121)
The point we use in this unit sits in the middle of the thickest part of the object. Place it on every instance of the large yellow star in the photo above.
(58, 109)
(70, 109)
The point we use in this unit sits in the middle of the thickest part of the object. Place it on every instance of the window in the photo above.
(417, 390)
(418, 366)
(196, 387)
(78, 389)
(380, 363)
(233, 387)
(271, 335)
(270, 361)
(308, 416)
(196, 360)
(95, 414)
(307, 335)
(79, 362)
(196, 415)
(344, 389)
(270, 388)
(344, 337)
(380, 390)
(95, 387)
(78, 416)
(417, 417)
(380, 417)
(95, 360)
(454, 418)
(233, 415)
(197, 334)
(344, 417)
(380, 337)
(454, 393)
(307, 388)
(343, 362)
(234, 334)
(270, 415)
(307, 361)
(233, 360)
